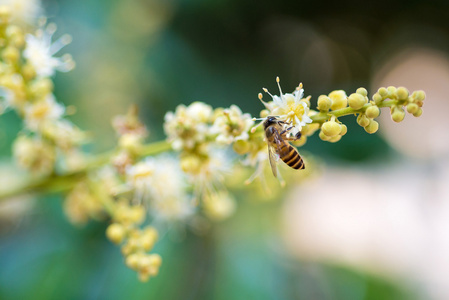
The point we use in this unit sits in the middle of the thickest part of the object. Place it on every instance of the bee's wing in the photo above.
(273, 151)
(273, 158)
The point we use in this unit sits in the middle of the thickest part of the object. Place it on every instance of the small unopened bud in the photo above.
(383, 92)
(331, 128)
(420, 95)
(11, 54)
(324, 103)
(412, 108)
(241, 147)
(377, 98)
(191, 164)
(372, 127)
(344, 129)
(301, 141)
(133, 261)
(356, 101)
(372, 112)
(397, 114)
(323, 136)
(402, 93)
(339, 99)
(335, 139)
(116, 233)
(418, 112)
(362, 91)
(391, 91)
(362, 120)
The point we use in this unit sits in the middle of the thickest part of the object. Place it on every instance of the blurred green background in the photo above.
(159, 54)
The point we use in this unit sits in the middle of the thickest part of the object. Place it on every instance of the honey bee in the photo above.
(278, 145)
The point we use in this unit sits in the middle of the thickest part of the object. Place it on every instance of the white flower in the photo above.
(290, 108)
(232, 126)
(40, 49)
(37, 114)
(139, 177)
(188, 126)
(160, 182)
(219, 205)
(26, 11)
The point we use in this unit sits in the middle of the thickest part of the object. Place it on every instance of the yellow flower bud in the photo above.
(420, 95)
(42, 87)
(301, 141)
(136, 214)
(391, 91)
(362, 120)
(241, 147)
(412, 108)
(28, 72)
(402, 93)
(372, 127)
(191, 164)
(133, 260)
(324, 103)
(11, 54)
(356, 101)
(264, 113)
(116, 233)
(323, 136)
(310, 129)
(372, 112)
(418, 112)
(148, 238)
(383, 92)
(344, 129)
(397, 114)
(130, 142)
(5, 15)
(362, 91)
(339, 99)
(331, 128)
(335, 139)
(377, 98)
(306, 101)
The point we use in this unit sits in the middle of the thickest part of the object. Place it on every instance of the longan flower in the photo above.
(36, 114)
(168, 199)
(139, 178)
(34, 154)
(232, 125)
(188, 126)
(40, 51)
(290, 108)
(25, 11)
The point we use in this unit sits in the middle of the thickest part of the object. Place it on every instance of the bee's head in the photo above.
(270, 120)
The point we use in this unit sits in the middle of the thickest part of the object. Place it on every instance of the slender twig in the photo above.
(63, 182)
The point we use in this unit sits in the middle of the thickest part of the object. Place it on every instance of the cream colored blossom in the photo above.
(40, 51)
(34, 154)
(139, 178)
(219, 205)
(189, 125)
(290, 108)
(232, 125)
(36, 114)
(23, 11)
(167, 190)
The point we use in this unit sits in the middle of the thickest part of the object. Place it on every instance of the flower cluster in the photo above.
(27, 63)
(140, 191)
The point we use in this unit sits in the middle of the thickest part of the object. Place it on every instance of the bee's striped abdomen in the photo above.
(291, 157)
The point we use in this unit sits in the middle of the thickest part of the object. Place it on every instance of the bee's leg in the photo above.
(295, 138)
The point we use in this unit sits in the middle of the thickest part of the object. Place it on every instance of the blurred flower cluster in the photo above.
(140, 190)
